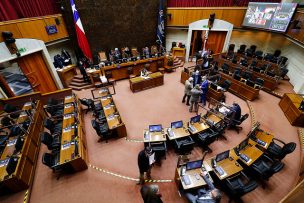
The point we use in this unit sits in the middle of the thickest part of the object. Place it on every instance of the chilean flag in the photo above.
(81, 37)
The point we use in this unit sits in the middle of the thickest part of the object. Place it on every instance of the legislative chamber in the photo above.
(160, 101)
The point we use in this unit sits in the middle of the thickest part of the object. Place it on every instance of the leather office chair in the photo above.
(160, 149)
(259, 82)
(266, 167)
(235, 124)
(277, 152)
(206, 138)
(259, 55)
(52, 143)
(249, 52)
(184, 145)
(109, 77)
(102, 130)
(277, 53)
(51, 160)
(11, 165)
(268, 57)
(244, 62)
(54, 128)
(226, 85)
(10, 109)
(253, 48)
(246, 75)
(284, 72)
(239, 185)
(54, 108)
(242, 49)
(88, 103)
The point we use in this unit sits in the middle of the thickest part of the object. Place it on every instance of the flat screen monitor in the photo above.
(243, 144)
(270, 16)
(194, 164)
(177, 124)
(222, 156)
(155, 128)
(195, 119)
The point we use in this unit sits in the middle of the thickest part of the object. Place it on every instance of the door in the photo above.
(216, 40)
(34, 68)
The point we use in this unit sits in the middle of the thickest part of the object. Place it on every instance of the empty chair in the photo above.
(52, 127)
(277, 53)
(237, 186)
(10, 109)
(268, 57)
(266, 167)
(231, 47)
(226, 85)
(244, 62)
(246, 75)
(160, 150)
(242, 49)
(206, 138)
(102, 129)
(109, 77)
(19, 144)
(249, 52)
(52, 143)
(184, 145)
(51, 160)
(259, 83)
(259, 55)
(88, 103)
(284, 72)
(54, 108)
(235, 124)
(279, 152)
(12, 164)
(253, 48)
(282, 60)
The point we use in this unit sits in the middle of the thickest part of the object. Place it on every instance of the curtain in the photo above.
(213, 3)
(14, 9)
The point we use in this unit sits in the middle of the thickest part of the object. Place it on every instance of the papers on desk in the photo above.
(28, 104)
(152, 158)
(224, 110)
(4, 162)
(65, 146)
(68, 97)
(67, 116)
(11, 142)
(111, 117)
(145, 77)
(68, 129)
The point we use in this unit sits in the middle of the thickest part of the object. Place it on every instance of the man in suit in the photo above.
(188, 88)
(204, 88)
(210, 195)
(150, 194)
(237, 111)
(144, 164)
(196, 75)
(194, 99)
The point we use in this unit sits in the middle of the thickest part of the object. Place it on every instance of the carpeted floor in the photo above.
(160, 105)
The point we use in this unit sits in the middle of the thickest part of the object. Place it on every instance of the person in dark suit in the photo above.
(150, 194)
(144, 164)
(204, 88)
(237, 111)
(196, 75)
(210, 195)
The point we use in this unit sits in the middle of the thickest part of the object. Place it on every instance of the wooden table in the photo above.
(178, 133)
(154, 136)
(199, 127)
(230, 166)
(240, 89)
(195, 183)
(252, 152)
(290, 104)
(179, 52)
(265, 137)
(215, 119)
(66, 74)
(140, 83)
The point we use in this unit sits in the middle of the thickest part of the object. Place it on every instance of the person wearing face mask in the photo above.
(197, 78)
(188, 88)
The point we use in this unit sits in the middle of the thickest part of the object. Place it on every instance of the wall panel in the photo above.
(297, 34)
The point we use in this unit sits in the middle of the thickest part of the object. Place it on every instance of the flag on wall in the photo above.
(161, 24)
(81, 37)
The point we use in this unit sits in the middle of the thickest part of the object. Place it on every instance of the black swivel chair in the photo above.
(12, 164)
(235, 124)
(284, 72)
(239, 185)
(265, 167)
(249, 52)
(184, 145)
(206, 138)
(244, 62)
(242, 49)
(277, 152)
(160, 149)
(87, 103)
(226, 85)
(10, 109)
(54, 128)
(246, 75)
(102, 130)
(253, 48)
(277, 53)
(52, 143)
(54, 108)
(259, 82)
(225, 68)
(19, 144)
(51, 160)
(259, 55)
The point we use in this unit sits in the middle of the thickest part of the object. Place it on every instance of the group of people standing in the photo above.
(196, 89)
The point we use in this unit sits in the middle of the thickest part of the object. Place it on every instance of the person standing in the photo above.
(188, 88)
(194, 99)
(197, 77)
(150, 194)
(144, 164)
(204, 88)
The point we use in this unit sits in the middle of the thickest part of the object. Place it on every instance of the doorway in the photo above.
(13, 81)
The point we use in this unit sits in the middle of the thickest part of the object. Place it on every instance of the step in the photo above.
(79, 84)
(77, 80)
(81, 88)
(78, 76)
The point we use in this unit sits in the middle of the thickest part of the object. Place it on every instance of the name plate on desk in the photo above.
(111, 117)
(103, 91)
(68, 106)
(11, 142)
(68, 97)
(65, 146)
(67, 116)
(68, 129)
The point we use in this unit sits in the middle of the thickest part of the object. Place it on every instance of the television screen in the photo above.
(271, 16)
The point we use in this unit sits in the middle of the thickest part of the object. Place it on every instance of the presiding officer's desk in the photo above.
(178, 132)
(154, 136)
(22, 175)
(73, 150)
(193, 174)
(142, 83)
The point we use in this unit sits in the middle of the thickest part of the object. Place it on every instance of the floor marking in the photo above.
(126, 177)
(252, 113)
(25, 197)
(133, 140)
(301, 135)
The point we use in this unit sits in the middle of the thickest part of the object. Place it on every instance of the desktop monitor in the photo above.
(222, 156)
(155, 128)
(194, 164)
(243, 144)
(195, 119)
(177, 124)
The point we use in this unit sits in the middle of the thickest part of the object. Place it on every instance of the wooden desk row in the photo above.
(27, 157)
(73, 149)
(270, 83)
(240, 88)
(121, 71)
(290, 104)
(113, 117)
(230, 165)
(141, 83)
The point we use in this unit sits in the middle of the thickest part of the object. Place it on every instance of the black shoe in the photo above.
(188, 104)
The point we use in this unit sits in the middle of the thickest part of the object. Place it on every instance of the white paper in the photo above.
(152, 158)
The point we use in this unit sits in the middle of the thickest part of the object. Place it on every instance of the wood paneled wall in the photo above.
(297, 34)
(185, 16)
(34, 28)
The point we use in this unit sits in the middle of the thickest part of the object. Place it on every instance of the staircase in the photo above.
(177, 62)
(78, 84)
